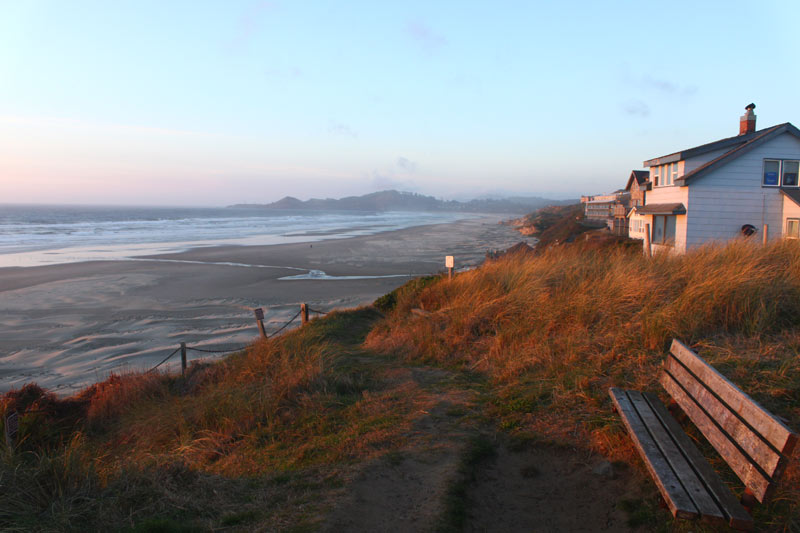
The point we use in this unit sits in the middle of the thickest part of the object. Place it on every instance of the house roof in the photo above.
(753, 140)
(641, 177)
(730, 142)
(792, 194)
(662, 209)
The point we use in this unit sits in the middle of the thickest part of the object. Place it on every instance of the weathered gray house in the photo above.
(724, 189)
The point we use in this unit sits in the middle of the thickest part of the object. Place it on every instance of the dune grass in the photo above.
(553, 332)
(259, 438)
(255, 438)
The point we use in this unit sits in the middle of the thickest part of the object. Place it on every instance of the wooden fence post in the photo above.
(648, 249)
(303, 314)
(260, 321)
(766, 234)
(183, 359)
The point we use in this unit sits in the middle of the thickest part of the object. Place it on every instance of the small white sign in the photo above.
(12, 427)
(448, 261)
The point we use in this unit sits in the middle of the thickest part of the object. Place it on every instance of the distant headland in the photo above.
(409, 201)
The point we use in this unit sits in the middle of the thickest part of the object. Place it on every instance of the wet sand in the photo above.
(67, 326)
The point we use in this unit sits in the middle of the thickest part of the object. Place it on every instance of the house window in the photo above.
(772, 168)
(665, 175)
(793, 228)
(663, 230)
(789, 174)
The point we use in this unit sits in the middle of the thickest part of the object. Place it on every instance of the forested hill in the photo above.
(407, 201)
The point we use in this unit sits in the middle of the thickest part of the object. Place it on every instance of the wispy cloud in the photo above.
(647, 91)
(406, 165)
(665, 86)
(382, 181)
(249, 24)
(339, 128)
(648, 83)
(636, 108)
(395, 176)
(428, 39)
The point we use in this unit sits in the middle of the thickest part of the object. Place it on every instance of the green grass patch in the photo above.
(479, 449)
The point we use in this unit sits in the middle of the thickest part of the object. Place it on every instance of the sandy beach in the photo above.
(66, 326)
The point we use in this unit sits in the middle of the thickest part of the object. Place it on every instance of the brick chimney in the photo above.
(747, 122)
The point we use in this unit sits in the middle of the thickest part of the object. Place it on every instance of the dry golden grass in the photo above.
(268, 426)
(555, 331)
(551, 333)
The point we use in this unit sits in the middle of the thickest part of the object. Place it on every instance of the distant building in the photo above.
(722, 190)
(638, 185)
(612, 209)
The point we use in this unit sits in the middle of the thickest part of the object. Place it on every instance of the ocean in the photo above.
(111, 310)
(45, 235)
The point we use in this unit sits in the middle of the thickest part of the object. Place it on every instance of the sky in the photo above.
(218, 102)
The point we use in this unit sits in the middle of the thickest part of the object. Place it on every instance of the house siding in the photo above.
(688, 165)
(636, 225)
(669, 195)
(790, 210)
(720, 202)
(637, 194)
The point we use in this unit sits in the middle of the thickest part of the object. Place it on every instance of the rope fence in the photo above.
(215, 351)
(285, 325)
(165, 359)
(259, 313)
(11, 425)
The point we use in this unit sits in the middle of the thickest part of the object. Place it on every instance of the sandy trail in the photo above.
(407, 491)
(535, 487)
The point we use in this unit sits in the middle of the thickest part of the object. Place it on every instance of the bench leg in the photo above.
(749, 500)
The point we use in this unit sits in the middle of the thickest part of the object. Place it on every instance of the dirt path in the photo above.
(406, 490)
(435, 481)
(547, 489)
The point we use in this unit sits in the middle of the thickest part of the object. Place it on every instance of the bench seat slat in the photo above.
(738, 462)
(751, 442)
(736, 515)
(678, 500)
(705, 503)
(772, 429)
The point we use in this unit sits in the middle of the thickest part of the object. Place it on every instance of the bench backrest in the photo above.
(754, 443)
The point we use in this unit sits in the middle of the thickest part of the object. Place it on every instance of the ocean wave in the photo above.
(70, 235)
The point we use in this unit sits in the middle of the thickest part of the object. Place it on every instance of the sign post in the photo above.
(449, 262)
(259, 313)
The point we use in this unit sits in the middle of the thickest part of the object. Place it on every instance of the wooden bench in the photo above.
(754, 443)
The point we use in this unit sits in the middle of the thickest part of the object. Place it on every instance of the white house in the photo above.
(725, 189)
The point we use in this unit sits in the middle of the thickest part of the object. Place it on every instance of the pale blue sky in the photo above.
(211, 103)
